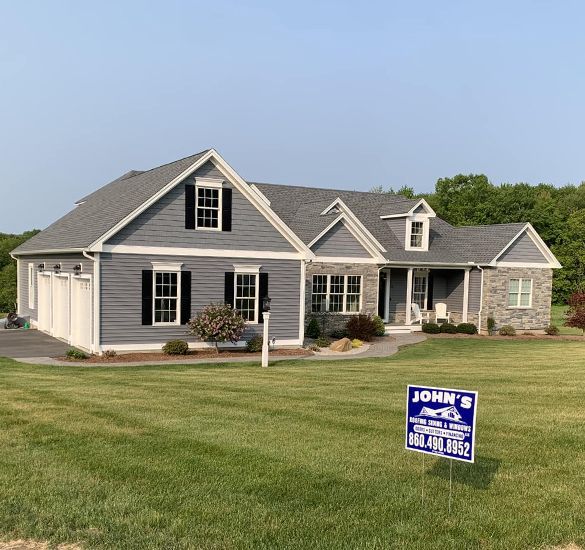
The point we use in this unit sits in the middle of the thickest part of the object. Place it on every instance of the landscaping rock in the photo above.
(341, 345)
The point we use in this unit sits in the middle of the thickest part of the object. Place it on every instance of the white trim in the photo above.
(201, 252)
(409, 295)
(250, 269)
(464, 315)
(425, 233)
(430, 213)
(524, 264)
(260, 194)
(49, 251)
(31, 286)
(177, 320)
(215, 183)
(302, 291)
(346, 259)
(553, 263)
(346, 213)
(520, 280)
(213, 156)
(193, 345)
(167, 266)
(95, 303)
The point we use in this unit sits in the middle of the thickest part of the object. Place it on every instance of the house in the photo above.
(133, 261)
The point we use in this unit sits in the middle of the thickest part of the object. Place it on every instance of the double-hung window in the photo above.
(336, 293)
(166, 293)
(420, 287)
(246, 296)
(416, 234)
(520, 293)
(208, 207)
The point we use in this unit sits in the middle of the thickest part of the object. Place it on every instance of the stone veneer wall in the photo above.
(369, 273)
(495, 298)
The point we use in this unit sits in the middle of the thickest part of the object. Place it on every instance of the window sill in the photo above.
(174, 324)
(519, 307)
(208, 229)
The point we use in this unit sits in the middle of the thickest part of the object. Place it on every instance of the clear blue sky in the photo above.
(335, 94)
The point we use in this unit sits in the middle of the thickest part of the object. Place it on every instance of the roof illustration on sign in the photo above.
(447, 413)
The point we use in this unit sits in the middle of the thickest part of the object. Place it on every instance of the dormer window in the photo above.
(417, 233)
(209, 204)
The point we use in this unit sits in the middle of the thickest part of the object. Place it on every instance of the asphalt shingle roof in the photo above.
(100, 211)
(299, 207)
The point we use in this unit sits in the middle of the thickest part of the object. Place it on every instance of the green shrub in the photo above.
(491, 325)
(466, 328)
(176, 347)
(338, 334)
(313, 329)
(379, 327)
(431, 328)
(74, 353)
(110, 353)
(313, 347)
(507, 330)
(254, 344)
(355, 343)
(448, 328)
(361, 327)
(323, 342)
(552, 330)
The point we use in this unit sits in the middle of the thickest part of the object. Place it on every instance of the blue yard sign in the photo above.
(441, 422)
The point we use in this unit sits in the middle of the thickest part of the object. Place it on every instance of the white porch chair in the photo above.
(441, 313)
(418, 316)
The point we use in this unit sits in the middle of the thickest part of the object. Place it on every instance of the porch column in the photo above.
(387, 297)
(409, 294)
(465, 295)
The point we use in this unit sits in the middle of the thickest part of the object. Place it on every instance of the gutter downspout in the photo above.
(480, 300)
(96, 348)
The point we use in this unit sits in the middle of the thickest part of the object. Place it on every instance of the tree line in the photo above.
(9, 242)
(557, 213)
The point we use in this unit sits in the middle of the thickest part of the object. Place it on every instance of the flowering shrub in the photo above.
(217, 323)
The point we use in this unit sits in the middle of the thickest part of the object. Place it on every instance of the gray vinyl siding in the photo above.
(419, 209)
(67, 262)
(121, 296)
(474, 303)
(398, 227)
(397, 291)
(523, 250)
(339, 241)
(163, 224)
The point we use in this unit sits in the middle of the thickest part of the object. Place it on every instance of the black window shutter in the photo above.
(185, 297)
(228, 295)
(147, 297)
(263, 292)
(189, 206)
(226, 209)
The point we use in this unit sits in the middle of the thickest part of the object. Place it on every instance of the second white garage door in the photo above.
(44, 302)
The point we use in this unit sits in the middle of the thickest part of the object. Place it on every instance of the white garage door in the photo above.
(60, 303)
(81, 312)
(44, 302)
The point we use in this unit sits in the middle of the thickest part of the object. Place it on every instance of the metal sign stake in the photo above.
(422, 495)
(450, 482)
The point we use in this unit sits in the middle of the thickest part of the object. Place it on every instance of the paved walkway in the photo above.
(381, 347)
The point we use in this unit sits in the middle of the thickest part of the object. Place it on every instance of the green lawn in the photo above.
(300, 455)
(558, 318)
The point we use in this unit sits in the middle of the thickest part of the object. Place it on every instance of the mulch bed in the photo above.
(518, 336)
(193, 354)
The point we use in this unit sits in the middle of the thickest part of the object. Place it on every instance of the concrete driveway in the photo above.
(29, 343)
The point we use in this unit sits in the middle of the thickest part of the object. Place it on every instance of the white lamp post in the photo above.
(266, 316)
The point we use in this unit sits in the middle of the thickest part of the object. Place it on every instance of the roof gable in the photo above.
(339, 241)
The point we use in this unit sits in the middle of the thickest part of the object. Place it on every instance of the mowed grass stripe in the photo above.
(304, 454)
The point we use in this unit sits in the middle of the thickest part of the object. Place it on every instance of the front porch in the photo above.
(402, 286)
